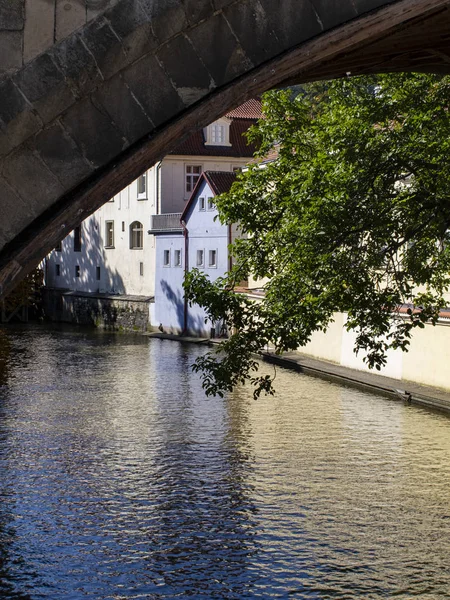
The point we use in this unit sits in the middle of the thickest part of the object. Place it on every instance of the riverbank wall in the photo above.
(112, 312)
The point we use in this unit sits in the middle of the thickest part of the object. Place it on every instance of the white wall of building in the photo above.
(124, 270)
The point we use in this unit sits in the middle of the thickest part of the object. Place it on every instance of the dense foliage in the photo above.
(351, 216)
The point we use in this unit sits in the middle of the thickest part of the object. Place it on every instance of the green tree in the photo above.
(352, 216)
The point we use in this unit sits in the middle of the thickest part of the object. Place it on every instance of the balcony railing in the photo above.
(166, 222)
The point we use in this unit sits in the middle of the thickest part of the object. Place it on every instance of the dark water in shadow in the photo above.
(120, 480)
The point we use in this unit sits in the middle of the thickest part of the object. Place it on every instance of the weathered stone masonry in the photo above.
(89, 101)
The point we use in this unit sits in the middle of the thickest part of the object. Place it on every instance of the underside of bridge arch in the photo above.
(86, 117)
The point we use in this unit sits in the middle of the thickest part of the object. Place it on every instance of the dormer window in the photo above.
(218, 133)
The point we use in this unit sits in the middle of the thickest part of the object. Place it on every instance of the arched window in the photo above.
(136, 235)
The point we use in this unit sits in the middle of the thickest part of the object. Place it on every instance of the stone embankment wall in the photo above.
(128, 313)
(28, 27)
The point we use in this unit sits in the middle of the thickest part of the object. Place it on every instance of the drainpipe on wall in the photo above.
(186, 270)
(158, 180)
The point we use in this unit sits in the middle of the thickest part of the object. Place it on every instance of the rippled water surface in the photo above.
(120, 480)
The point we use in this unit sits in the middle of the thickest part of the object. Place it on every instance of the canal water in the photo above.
(120, 480)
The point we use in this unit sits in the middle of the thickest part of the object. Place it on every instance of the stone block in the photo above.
(293, 21)
(70, 15)
(39, 27)
(131, 23)
(128, 115)
(77, 64)
(250, 24)
(197, 10)
(12, 15)
(105, 46)
(334, 13)
(10, 50)
(62, 156)
(5, 144)
(94, 132)
(219, 50)
(16, 214)
(16, 114)
(30, 178)
(192, 83)
(219, 4)
(94, 8)
(153, 90)
(45, 87)
(168, 17)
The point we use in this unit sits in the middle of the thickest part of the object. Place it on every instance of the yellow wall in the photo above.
(327, 346)
(428, 361)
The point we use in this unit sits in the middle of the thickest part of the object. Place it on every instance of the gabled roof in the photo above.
(219, 182)
(249, 110)
(242, 118)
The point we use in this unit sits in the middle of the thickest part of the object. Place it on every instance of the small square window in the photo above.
(58, 270)
(177, 258)
(212, 258)
(97, 273)
(77, 271)
(201, 204)
(211, 205)
(141, 269)
(166, 258)
(200, 258)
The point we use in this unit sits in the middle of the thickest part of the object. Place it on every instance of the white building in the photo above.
(113, 250)
(199, 240)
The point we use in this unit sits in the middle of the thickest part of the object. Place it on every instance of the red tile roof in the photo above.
(242, 118)
(195, 144)
(220, 181)
(249, 110)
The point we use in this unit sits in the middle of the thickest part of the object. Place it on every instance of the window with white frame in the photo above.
(177, 258)
(192, 175)
(211, 205)
(142, 187)
(136, 235)
(201, 203)
(200, 258)
(212, 258)
(109, 234)
(166, 258)
(218, 133)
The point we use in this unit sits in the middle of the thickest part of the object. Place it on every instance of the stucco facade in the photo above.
(204, 241)
(116, 253)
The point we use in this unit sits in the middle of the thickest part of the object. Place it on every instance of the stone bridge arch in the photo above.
(87, 115)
